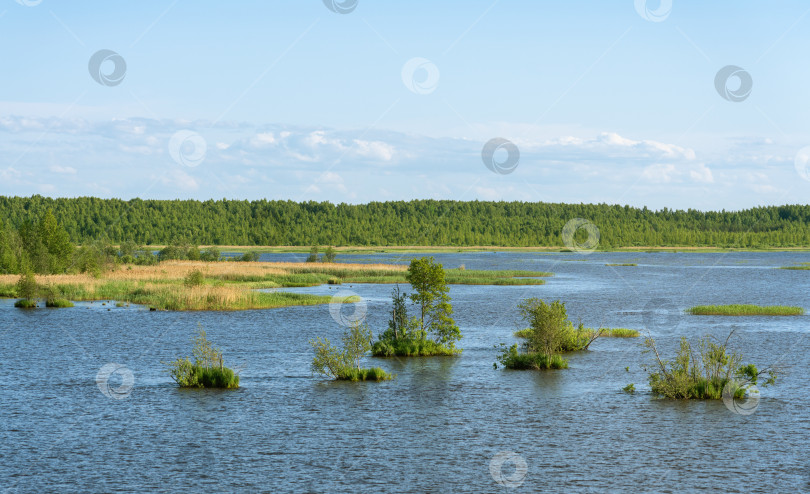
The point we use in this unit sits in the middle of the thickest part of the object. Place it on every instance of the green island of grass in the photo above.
(513, 359)
(207, 370)
(404, 347)
(360, 374)
(590, 332)
(745, 310)
(796, 268)
(622, 264)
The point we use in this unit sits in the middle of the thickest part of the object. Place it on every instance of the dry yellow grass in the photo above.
(231, 285)
(178, 270)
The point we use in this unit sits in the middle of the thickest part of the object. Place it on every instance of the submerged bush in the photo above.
(404, 347)
(372, 374)
(704, 372)
(207, 370)
(511, 358)
(344, 364)
(549, 333)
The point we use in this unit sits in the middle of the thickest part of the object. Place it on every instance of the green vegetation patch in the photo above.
(25, 303)
(709, 370)
(590, 332)
(511, 358)
(408, 336)
(412, 348)
(207, 370)
(58, 303)
(745, 310)
(622, 264)
(359, 374)
(343, 364)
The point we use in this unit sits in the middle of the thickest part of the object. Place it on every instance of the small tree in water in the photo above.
(329, 254)
(426, 276)
(313, 254)
(27, 288)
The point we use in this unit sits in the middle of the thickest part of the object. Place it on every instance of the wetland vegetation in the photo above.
(206, 371)
(343, 364)
(710, 370)
(745, 310)
(550, 333)
(432, 332)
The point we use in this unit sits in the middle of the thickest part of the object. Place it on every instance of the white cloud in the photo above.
(701, 173)
(375, 150)
(659, 173)
(68, 170)
(179, 179)
(118, 157)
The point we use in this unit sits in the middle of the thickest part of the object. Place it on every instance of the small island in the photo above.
(433, 332)
(344, 364)
(710, 370)
(550, 333)
(208, 369)
(745, 310)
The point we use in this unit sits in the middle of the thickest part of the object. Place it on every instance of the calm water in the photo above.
(440, 423)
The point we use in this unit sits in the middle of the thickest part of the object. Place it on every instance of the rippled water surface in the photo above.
(438, 425)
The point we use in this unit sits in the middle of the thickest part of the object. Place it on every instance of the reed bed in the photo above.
(232, 285)
(745, 310)
(590, 332)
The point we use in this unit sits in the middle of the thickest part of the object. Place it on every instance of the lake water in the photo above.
(443, 424)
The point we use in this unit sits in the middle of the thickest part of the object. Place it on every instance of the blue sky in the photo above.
(606, 101)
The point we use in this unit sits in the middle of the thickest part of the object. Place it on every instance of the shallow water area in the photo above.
(440, 423)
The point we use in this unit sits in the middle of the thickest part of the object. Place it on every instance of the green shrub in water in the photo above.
(207, 370)
(702, 372)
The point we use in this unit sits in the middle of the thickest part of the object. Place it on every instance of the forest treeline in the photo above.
(418, 222)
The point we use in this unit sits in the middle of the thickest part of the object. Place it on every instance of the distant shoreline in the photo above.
(281, 249)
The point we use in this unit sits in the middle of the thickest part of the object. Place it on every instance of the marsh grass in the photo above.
(622, 264)
(590, 332)
(412, 348)
(213, 377)
(165, 286)
(199, 285)
(796, 268)
(745, 310)
(703, 371)
(355, 374)
(515, 360)
(207, 370)
(58, 303)
(25, 303)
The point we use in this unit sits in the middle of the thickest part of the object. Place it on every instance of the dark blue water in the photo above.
(441, 423)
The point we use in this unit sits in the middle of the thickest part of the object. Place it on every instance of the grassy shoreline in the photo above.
(226, 286)
(745, 310)
(424, 249)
